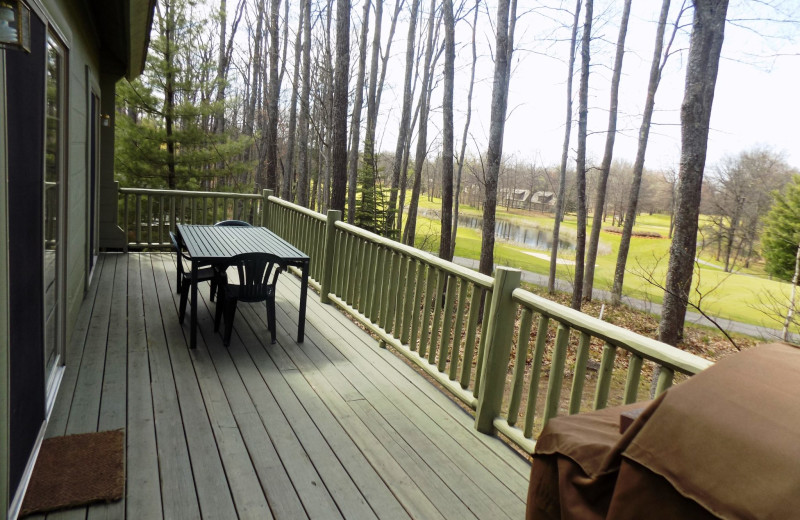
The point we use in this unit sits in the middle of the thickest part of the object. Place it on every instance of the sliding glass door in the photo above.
(54, 166)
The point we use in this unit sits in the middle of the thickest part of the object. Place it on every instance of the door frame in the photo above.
(53, 378)
(93, 118)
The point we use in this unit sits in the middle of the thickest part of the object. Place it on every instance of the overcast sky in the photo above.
(756, 101)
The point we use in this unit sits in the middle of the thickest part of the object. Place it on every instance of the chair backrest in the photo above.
(233, 223)
(258, 273)
(178, 253)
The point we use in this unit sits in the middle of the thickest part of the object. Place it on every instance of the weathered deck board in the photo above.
(335, 427)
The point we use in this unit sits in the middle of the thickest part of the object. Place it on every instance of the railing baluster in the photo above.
(149, 219)
(138, 219)
(441, 283)
(481, 348)
(604, 376)
(366, 295)
(456, 346)
(408, 299)
(632, 380)
(556, 380)
(377, 285)
(444, 343)
(579, 373)
(469, 343)
(390, 295)
(419, 294)
(665, 377)
(520, 362)
(430, 283)
(127, 217)
(536, 374)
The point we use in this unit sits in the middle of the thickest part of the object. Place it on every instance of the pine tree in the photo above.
(782, 231)
(165, 118)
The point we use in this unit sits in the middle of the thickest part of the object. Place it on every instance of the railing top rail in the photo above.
(481, 280)
(300, 209)
(645, 347)
(189, 193)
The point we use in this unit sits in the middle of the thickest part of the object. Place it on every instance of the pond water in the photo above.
(508, 231)
(528, 236)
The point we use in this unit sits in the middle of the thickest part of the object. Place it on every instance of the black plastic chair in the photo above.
(258, 274)
(204, 274)
(233, 223)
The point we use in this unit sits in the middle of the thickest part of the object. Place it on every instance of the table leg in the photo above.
(301, 325)
(193, 324)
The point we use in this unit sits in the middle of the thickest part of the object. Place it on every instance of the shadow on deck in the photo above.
(330, 428)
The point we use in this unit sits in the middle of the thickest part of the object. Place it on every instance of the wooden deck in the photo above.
(335, 427)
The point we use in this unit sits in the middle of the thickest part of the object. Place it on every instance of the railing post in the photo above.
(499, 330)
(327, 255)
(265, 194)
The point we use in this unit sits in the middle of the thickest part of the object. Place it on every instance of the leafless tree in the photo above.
(656, 67)
(445, 248)
(608, 153)
(504, 45)
(580, 160)
(562, 185)
(340, 102)
(708, 29)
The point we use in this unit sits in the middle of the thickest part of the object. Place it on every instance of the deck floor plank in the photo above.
(248, 498)
(335, 427)
(143, 493)
(179, 497)
(213, 491)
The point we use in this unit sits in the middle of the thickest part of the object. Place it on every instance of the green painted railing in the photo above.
(515, 375)
(146, 216)
(516, 359)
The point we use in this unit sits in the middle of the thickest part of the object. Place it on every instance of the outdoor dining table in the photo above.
(217, 245)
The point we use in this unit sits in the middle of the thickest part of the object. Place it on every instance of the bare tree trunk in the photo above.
(273, 96)
(503, 50)
(368, 188)
(168, 27)
(445, 247)
(708, 29)
(224, 60)
(355, 125)
(580, 166)
(302, 173)
(402, 132)
(340, 100)
(605, 167)
(286, 192)
(562, 186)
(457, 190)
(422, 135)
(638, 165)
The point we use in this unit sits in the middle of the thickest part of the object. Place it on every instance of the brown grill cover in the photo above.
(724, 444)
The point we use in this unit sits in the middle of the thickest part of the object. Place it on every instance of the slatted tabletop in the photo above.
(218, 244)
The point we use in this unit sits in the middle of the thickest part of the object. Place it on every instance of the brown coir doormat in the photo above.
(77, 470)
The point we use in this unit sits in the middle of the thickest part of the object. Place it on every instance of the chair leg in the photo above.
(230, 312)
(271, 317)
(185, 284)
(219, 310)
(178, 285)
(213, 283)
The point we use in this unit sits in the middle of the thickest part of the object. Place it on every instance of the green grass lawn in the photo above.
(738, 296)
